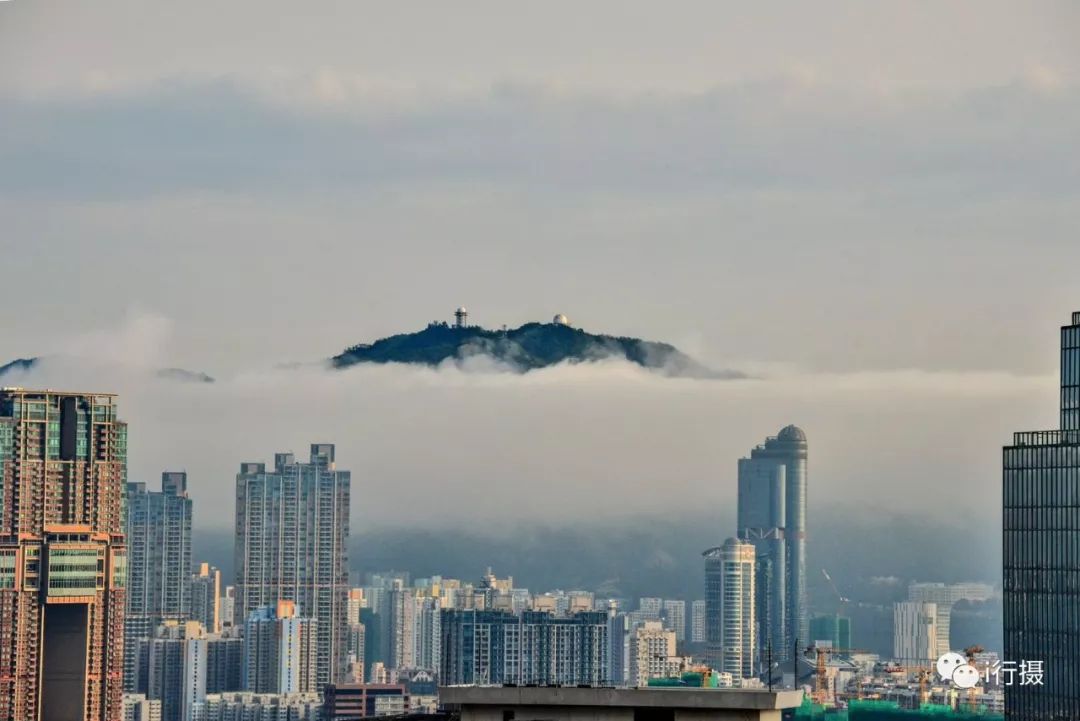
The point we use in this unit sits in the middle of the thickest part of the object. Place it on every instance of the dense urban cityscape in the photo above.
(705, 360)
(132, 626)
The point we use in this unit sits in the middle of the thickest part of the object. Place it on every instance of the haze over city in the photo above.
(872, 218)
(483, 349)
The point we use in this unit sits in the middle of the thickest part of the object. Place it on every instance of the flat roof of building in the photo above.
(54, 392)
(685, 698)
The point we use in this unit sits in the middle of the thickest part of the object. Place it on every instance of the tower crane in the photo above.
(821, 676)
(843, 599)
(923, 673)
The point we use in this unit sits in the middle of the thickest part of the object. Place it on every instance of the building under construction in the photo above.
(62, 557)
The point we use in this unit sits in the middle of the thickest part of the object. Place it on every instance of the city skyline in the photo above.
(621, 359)
(299, 613)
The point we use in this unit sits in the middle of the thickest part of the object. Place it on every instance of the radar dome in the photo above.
(791, 433)
(560, 319)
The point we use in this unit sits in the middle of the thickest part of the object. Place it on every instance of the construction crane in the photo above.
(971, 652)
(923, 673)
(821, 675)
(843, 599)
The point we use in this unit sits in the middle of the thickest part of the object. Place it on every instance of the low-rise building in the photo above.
(351, 701)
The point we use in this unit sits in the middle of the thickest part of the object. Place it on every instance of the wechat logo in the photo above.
(954, 667)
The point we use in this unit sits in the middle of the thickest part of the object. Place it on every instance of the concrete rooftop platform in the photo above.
(524, 703)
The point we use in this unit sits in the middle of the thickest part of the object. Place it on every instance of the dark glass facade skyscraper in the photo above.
(772, 516)
(1041, 554)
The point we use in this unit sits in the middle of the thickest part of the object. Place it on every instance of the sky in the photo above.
(871, 208)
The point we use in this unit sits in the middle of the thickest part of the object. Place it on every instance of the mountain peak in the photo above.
(529, 347)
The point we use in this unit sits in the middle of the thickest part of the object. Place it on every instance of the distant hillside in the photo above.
(19, 364)
(532, 346)
(173, 374)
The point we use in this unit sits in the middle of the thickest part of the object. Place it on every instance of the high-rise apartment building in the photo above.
(1041, 517)
(356, 601)
(355, 641)
(772, 516)
(63, 465)
(224, 662)
(498, 647)
(261, 707)
(428, 633)
(177, 657)
(915, 632)
(158, 534)
(402, 605)
(730, 604)
(206, 597)
(137, 707)
(833, 629)
(292, 528)
(651, 645)
(161, 654)
(697, 621)
(618, 648)
(674, 615)
(280, 651)
(227, 611)
(650, 608)
(944, 596)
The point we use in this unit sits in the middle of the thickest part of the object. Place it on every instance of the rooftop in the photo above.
(1046, 438)
(673, 698)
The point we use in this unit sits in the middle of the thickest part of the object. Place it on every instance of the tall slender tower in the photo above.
(292, 527)
(730, 603)
(157, 528)
(1041, 535)
(402, 626)
(772, 516)
(206, 597)
(63, 462)
(158, 535)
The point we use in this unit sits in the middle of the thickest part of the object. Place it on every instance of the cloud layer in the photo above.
(871, 206)
(594, 441)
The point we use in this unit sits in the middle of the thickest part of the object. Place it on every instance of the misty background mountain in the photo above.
(871, 558)
(528, 347)
(25, 365)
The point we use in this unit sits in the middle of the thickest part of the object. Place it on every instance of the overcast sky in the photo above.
(873, 206)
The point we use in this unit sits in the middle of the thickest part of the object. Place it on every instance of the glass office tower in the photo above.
(772, 516)
(1041, 554)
